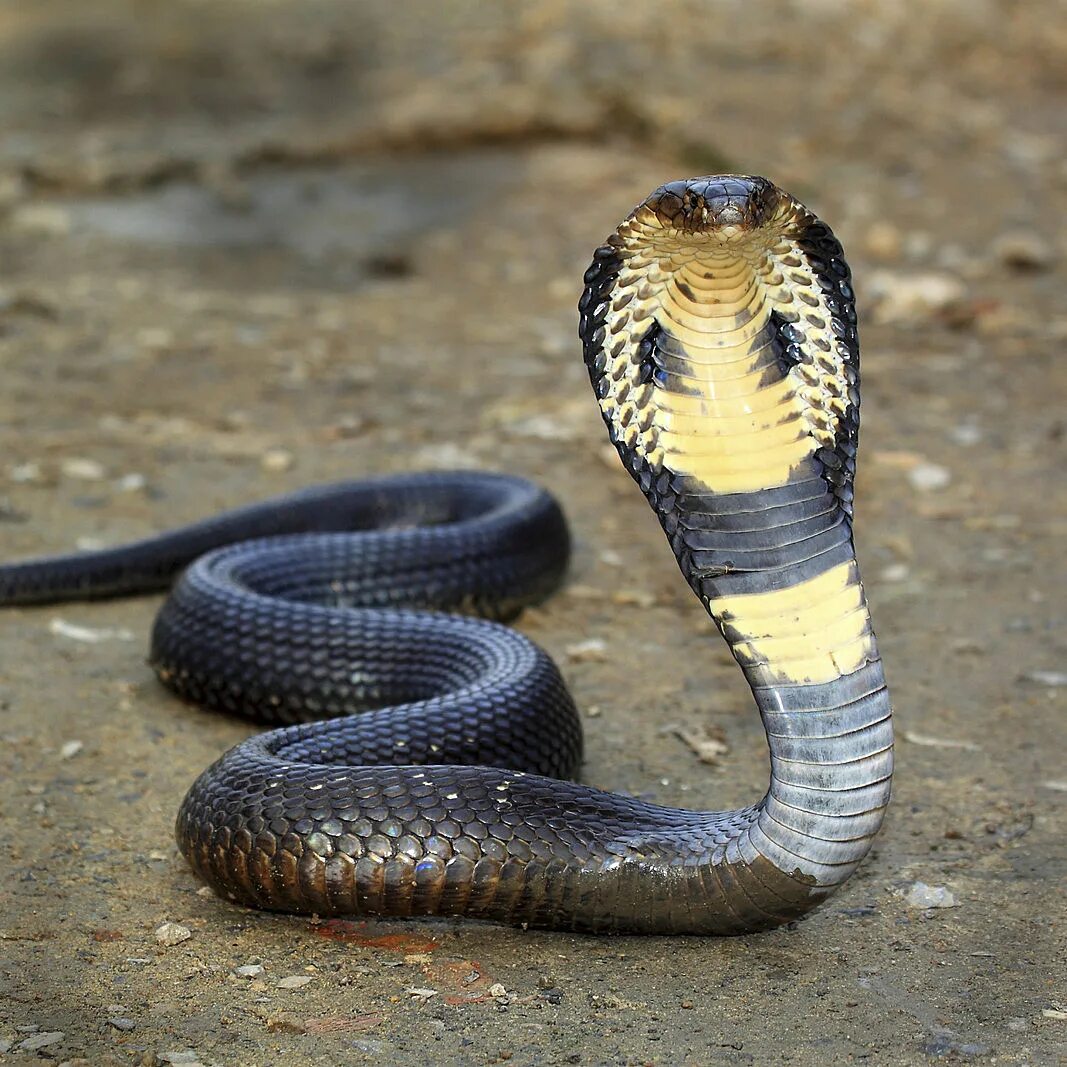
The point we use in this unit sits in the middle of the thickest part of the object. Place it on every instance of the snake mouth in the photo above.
(724, 206)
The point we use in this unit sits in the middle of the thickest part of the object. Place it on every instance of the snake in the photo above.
(423, 756)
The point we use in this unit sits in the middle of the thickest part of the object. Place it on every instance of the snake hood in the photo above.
(720, 335)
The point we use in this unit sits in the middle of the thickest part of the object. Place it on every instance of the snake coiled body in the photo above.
(719, 332)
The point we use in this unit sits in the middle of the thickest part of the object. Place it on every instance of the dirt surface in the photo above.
(248, 247)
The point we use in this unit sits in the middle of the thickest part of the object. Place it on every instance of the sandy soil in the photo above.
(248, 247)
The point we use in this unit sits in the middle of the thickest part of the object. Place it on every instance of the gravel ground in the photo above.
(250, 246)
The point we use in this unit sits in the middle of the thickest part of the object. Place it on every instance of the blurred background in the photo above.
(247, 246)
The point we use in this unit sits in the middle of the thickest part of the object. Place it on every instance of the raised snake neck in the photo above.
(719, 332)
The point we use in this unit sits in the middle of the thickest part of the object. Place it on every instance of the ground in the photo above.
(251, 246)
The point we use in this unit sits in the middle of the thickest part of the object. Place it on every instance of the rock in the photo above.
(1049, 679)
(592, 650)
(921, 895)
(294, 981)
(91, 635)
(171, 934)
(497, 990)
(70, 749)
(122, 1023)
(913, 298)
(185, 1056)
(368, 1046)
(420, 992)
(966, 434)
(1024, 251)
(28, 474)
(83, 468)
(896, 572)
(277, 460)
(131, 483)
(249, 970)
(41, 1040)
(707, 743)
(286, 1022)
(939, 742)
(929, 477)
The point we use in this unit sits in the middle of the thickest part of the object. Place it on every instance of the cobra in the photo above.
(719, 332)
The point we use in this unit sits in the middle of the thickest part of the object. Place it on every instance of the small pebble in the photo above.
(929, 477)
(1024, 251)
(91, 635)
(921, 895)
(707, 743)
(42, 1040)
(913, 298)
(277, 460)
(131, 483)
(939, 742)
(1050, 679)
(896, 572)
(70, 749)
(172, 934)
(249, 970)
(27, 473)
(966, 434)
(420, 992)
(83, 468)
(286, 1022)
(294, 981)
(368, 1046)
(497, 990)
(592, 650)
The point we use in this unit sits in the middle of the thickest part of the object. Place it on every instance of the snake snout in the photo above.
(725, 206)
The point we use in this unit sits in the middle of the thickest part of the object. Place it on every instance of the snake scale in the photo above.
(719, 332)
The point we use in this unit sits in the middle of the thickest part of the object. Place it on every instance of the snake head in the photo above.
(726, 206)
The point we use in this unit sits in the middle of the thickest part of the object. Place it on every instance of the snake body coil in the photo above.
(719, 333)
